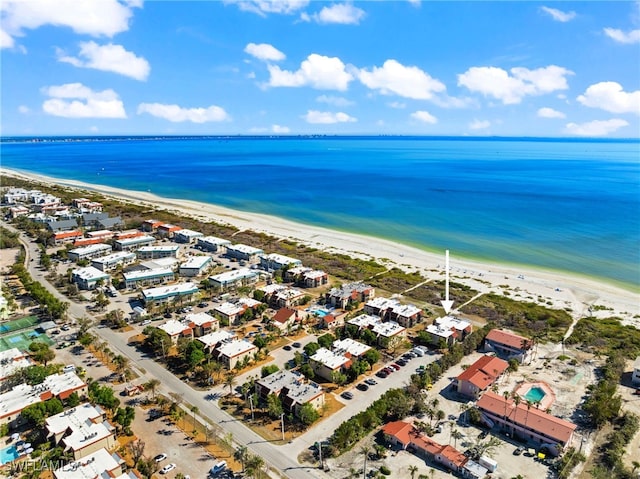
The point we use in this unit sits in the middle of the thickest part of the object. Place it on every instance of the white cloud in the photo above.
(280, 129)
(397, 104)
(262, 7)
(95, 18)
(609, 96)
(327, 117)
(334, 100)
(415, 3)
(109, 58)
(596, 127)
(264, 51)
(632, 36)
(479, 124)
(559, 15)
(93, 128)
(24, 109)
(6, 41)
(340, 13)
(511, 88)
(424, 117)
(178, 114)
(74, 100)
(317, 71)
(408, 82)
(547, 112)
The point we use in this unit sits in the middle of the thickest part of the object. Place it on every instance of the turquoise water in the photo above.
(8, 454)
(565, 204)
(535, 394)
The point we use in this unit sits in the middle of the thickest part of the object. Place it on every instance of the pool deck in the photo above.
(549, 396)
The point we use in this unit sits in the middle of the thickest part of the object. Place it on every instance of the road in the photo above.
(281, 457)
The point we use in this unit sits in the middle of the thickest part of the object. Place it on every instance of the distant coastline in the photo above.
(563, 205)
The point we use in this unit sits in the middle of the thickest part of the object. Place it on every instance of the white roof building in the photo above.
(200, 319)
(105, 263)
(235, 347)
(11, 361)
(276, 261)
(186, 235)
(233, 277)
(81, 426)
(141, 275)
(348, 345)
(195, 265)
(166, 292)
(248, 302)
(229, 309)
(173, 327)
(99, 465)
(451, 322)
(364, 320)
(90, 251)
(329, 359)
(212, 243)
(211, 340)
(88, 277)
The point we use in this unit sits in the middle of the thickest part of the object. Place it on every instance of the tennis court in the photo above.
(18, 324)
(23, 339)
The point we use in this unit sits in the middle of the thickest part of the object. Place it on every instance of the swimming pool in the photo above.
(8, 454)
(319, 312)
(535, 394)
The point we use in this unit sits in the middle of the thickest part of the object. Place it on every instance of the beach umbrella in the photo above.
(27, 445)
(15, 436)
(29, 451)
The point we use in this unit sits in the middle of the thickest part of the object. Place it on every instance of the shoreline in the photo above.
(562, 289)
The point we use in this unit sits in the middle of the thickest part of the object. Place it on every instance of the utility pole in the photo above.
(251, 403)
(282, 421)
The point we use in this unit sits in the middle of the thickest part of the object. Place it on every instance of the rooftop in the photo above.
(118, 255)
(93, 248)
(509, 339)
(532, 418)
(279, 259)
(451, 322)
(229, 309)
(200, 319)
(90, 273)
(197, 262)
(276, 381)
(100, 464)
(213, 339)
(187, 233)
(484, 371)
(329, 359)
(213, 240)
(243, 248)
(387, 329)
(147, 273)
(365, 320)
(234, 275)
(168, 291)
(11, 360)
(159, 248)
(174, 327)
(235, 348)
(136, 240)
(303, 392)
(351, 346)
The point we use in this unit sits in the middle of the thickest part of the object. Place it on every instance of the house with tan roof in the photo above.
(285, 318)
(480, 376)
(508, 345)
(525, 422)
(350, 293)
(230, 353)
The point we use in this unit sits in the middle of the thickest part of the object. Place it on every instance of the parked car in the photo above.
(167, 468)
(296, 344)
(347, 395)
(286, 347)
(371, 381)
(362, 387)
(483, 434)
(160, 457)
(203, 305)
(518, 451)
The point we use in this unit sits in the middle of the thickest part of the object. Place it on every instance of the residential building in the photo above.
(332, 320)
(4, 307)
(406, 315)
(128, 234)
(113, 260)
(480, 376)
(202, 323)
(635, 376)
(61, 237)
(89, 277)
(388, 333)
(108, 223)
(167, 294)
(62, 225)
(187, 236)
(448, 329)
(293, 390)
(508, 345)
(11, 361)
(87, 242)
(306, 277)
(16, 195)
(213, 244)
(350, 293)
(159, 251)
(350, 348)
(101, 234)
(151, 226)
(177, 329)
(56, 385)
(525, 422)
(234, 279)
(234, 352)
(196, 265)
(167, 230)
(405, 436)
(244, 252)
(100, 464)
(231, 312)
(90, 220)
(143, 278)
(134, 243)
(285, 319)
(83, 430)
(281, 296)
(212, 340)
(20, 210)
(88, 252)
(274, 261)
(325, 363)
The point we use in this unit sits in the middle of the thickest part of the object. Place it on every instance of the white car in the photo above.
(160, 457)
(167, 468)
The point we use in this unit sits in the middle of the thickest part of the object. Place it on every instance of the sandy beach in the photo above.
(558, 290)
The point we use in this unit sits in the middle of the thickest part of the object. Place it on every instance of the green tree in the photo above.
(41, 352)
(326, 340)
(274, 406)
(124, 417)
(268, 370)
(152, 385)
(308, 414)
(241, 455)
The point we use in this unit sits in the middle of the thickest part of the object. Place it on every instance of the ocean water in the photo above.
(565, 204)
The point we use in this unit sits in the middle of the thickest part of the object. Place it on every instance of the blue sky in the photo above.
(310, 67)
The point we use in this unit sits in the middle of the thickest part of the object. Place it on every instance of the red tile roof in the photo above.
(67, 234)
(88, 241)
(401, 430)
(533, 418)
(484, 371)
(455, 456)
(284, 314)
(508, 339)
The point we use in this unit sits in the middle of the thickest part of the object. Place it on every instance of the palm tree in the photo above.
(455, 434)
(152, 385)
(529, 404)
(230, 380)
(506, 398)
(635, 465)
(241, 455)
(412, 471)
(254, 466)
(365, 450)
(194, 410)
